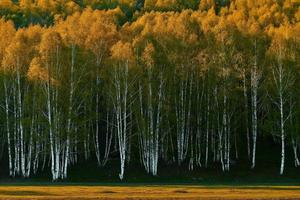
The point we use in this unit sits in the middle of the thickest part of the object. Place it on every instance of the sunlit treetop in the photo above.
(207, 20)
(161, 4)
(284, 41)
(205, 5)
(122, 51)
(51, 42)
(26, 4)
(148, 54)
(93, 30)
(222, 31)
(297, 15)
(36, 71)
(46, 5)
(6, 4)
(161, 25)
(101, 36)
(16, 57)
(7, 32)
(263, 13)
(129, 3)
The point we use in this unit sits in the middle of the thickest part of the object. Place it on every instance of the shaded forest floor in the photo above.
(88, 181)
(266, 173)
(88, 173)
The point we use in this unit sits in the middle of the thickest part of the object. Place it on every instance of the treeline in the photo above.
(45, 12)
(195, 86)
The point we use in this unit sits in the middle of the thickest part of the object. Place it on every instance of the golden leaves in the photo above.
(101, 36)
(15, 55)
(160, 4)
(97, 31)
(36, 71)
(283, 39)
(7, 32)
(209, 20)
(72, 7)
(202, 60)
(51, 42)
(93, 30)
(148, 54)
(129, 3)
(297, 15)
(6, 4)
(165, 3)
(26, 4)
(122, 51)
(164, 26)
(22, 48)
(206, 5)
(46, 5)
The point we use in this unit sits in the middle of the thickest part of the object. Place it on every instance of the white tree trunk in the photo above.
(254, 87)
(8, 129)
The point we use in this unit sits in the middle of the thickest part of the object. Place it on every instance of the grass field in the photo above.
(150, 192)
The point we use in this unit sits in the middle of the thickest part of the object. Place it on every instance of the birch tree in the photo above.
(283, 83)
(149, 117)
(7, 31)
(122, 96)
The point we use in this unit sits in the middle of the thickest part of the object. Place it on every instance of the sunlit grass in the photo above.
(149, 192)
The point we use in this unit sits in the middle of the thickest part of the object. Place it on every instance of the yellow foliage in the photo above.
(222, 31)
(165, 3)
(72, 7)
(13, 52)
(21, 48)
(129, 3)
(36, 72)
(280, 46)
(26, 4)
(34, 34)
(46, 5)
(163, 25)
(209, 21)
(51, 43)
(202, 60)
(148, 4)
(7, 32)
(102, 33)
(148, 54)
(206, 5)
(254, 28)
(86, 28)
(8, 4)
(297, 15)
(160, 4)
(98, 31)
(122, 51)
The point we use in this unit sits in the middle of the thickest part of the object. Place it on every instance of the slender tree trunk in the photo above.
(282, 136)
(254, 86)
(8, 129)
(69, 122)
(246, 115)
(295, 150)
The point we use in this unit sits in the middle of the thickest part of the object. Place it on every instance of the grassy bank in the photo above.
(149, 192)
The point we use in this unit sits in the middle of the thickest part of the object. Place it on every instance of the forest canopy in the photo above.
(186, 82)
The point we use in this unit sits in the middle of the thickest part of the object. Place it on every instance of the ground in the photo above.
(150, 192)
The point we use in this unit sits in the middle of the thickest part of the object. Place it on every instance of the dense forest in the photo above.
(186, 82)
